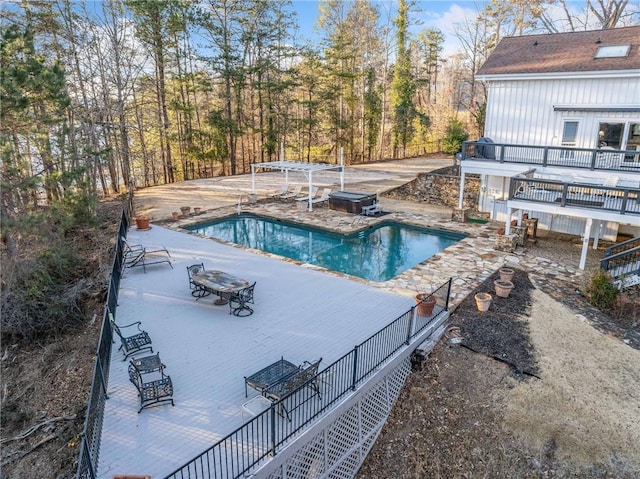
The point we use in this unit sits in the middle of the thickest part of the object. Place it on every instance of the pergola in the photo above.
(307, 168)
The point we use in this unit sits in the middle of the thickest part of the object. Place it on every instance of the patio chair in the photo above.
(295, 193)
(153, 388)
(134, 343)
(305, 197)
(132, 250)
(324, 196)
(197, 290)
(305, 378)
(282, 191)
(138, 255)
(238, 302)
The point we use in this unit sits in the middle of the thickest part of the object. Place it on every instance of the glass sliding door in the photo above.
(610, 135)
(633, 143)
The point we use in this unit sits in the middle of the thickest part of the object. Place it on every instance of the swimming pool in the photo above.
(377, 254)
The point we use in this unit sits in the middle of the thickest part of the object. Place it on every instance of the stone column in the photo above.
(460, 215)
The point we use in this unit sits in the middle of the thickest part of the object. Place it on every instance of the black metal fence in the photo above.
(267, 433)
(92, 432)
(562, 156)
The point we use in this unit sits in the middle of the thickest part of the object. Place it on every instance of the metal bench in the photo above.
(304, 378)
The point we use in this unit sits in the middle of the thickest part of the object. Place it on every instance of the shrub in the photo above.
(454, 135)
(46, 294)
(600, 290)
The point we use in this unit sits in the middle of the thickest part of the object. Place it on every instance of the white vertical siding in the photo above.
(521, 112)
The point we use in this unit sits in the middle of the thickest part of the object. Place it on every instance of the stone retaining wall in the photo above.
(439, 188)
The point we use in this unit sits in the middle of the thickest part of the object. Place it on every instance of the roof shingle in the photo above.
(563, 52)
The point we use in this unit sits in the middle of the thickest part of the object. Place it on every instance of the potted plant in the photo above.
(142, 222)
(197, 210)
(503, 288)
(425, 303)
(175, 215)
(483, 301)
(506, 274)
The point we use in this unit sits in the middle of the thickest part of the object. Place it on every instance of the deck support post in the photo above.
(585, 243)
(596, 234)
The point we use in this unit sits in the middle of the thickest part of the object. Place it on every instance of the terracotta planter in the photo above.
(197, 210)
(185, 210)
(483, 301)
(503, 288)
(142, 223)
(425, 303)
(175, 215)
(506, 274)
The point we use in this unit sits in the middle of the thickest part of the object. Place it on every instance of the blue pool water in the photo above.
(377, 254)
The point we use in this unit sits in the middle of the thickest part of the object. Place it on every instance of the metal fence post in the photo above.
(272, 418)
(412, 319)
(104, 385)
(355, 368)
(446, 307)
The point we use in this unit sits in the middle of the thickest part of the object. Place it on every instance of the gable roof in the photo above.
(563, 53)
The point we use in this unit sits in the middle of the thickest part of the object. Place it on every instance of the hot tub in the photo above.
(350, 202)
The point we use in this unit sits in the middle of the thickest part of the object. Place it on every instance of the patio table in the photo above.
(220, 283)
(272, 374)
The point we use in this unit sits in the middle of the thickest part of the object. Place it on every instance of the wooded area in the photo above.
(96, 95)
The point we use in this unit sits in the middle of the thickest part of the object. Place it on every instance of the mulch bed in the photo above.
(502, 332)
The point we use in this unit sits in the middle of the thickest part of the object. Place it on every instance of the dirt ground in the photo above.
(532, 391)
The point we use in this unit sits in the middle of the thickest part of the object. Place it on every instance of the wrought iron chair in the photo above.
(305, 378)
(239, 302)
(153, 388)
(135, 343)
(197, 290)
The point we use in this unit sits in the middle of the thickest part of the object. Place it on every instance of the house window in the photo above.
(610, 135)
(569, 136)
(569, 133)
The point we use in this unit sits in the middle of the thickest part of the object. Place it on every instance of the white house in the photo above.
(562, 133)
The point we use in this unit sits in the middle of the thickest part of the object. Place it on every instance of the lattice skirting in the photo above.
(340, 447)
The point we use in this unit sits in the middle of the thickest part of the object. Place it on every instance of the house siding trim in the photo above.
(612, 108)
(560, 75)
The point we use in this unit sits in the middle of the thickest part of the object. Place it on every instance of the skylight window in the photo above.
(612, 51)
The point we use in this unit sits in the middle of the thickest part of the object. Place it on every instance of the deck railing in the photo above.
(624, 201)
(560, 156)
(267, 433)
(92, 431)
(622, 259)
